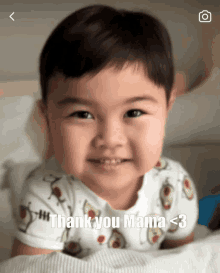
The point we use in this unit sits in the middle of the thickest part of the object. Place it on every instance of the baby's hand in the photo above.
(214, 223)
(21, 249)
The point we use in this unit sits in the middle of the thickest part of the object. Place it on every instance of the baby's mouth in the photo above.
(109, 162)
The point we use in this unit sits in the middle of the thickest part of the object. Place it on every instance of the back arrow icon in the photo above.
(11, 16)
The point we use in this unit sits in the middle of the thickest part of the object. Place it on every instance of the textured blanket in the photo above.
(200, 256)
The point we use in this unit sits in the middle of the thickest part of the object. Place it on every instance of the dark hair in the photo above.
(99, 36)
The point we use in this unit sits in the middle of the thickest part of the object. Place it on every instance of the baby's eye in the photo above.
(135, 111)
(84, 114)
(80, 114)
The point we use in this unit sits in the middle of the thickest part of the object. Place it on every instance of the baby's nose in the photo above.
(111, 135)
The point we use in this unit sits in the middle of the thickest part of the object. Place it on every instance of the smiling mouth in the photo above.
(108, 163)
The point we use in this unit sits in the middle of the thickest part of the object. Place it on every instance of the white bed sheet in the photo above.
(202, 256)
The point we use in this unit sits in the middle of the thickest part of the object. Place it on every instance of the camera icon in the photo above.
(205, 16)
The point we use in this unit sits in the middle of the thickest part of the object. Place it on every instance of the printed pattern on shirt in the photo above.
(80, 242)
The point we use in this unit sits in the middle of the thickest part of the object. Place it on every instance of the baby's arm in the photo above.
(21, 249)
(167, 244)
(214, 223)
(35, 233)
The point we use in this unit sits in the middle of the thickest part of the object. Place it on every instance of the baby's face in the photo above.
(102, 117)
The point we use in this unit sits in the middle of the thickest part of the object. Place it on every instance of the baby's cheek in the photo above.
(72, 148)
(154, 132)
(153, 139)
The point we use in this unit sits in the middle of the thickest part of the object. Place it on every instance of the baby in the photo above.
(107, 80)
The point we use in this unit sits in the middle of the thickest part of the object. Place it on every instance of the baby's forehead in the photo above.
(129, 75)
(112, 88)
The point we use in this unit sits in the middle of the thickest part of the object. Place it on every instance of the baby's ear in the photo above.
(41, 106)
(179, 88)
(49, 150)
(180, 83)
(41, 112)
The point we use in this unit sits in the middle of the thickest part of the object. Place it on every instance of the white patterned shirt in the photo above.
(55, 210)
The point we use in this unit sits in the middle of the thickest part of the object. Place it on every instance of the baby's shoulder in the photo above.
(173, 173)
(169, 165)
(171, 170)
(41, 179)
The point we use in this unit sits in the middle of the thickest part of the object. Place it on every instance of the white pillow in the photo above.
(14, 143)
